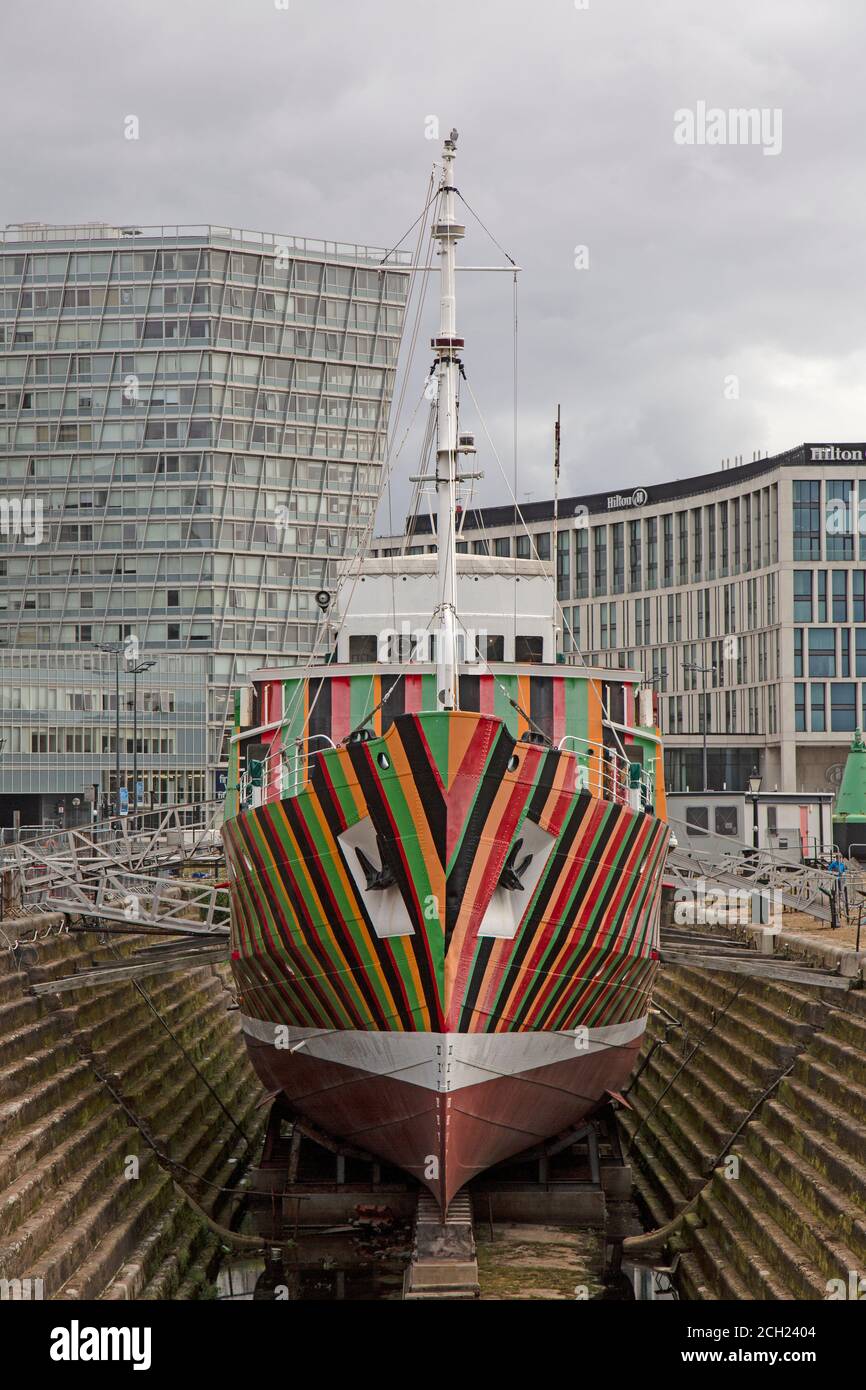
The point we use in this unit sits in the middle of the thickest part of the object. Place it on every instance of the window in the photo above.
(522, 547)
(563, 563)
(542, 544)
(581, 562)
(807, 520)
(698, 820)
(494, 647)
(839, 519)
(364, 647)
(727, 820)
(668, 550)
(634, 556)
(819, 718)
(528, 648)
(652, 552)
(858, 595)
(599, 560)
(618, 557)
(697, 544)
(822, 651)
(802, 596)
(800, 707)
(682, 547)
(843, 707)
(723, 538)
(840, 596)
(502, 545)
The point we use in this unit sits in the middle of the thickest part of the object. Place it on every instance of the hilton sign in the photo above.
(835, 453)
(617, 500)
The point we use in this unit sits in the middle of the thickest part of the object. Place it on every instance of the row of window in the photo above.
(279, 269)
(284, 641)
(829, 651)
(245, 470)
(828, 706)
(249, 368)
(257, 570)
(831, 526)
(246, 337)
(342, 442)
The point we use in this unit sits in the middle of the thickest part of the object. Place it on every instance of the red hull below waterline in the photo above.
(444, 1138)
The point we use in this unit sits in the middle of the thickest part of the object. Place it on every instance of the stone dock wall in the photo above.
(86, 1207)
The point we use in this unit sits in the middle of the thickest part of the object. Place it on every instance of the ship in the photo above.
(445, 841)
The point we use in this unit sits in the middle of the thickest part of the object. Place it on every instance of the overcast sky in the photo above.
(706, 262)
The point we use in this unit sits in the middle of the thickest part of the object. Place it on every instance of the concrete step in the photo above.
(770, 1031)
(20, 1075)
(757, 1270)
(44, 1098)
(757, 1219)
(845, 1170)
(840, 1057)
(712, 1113)
(665, 1160)
(828, 1206)
(706, 1273)
(53, 1168)
(824, 1116)
(847, 1026)
(103, 1233)
(22, 1150)
(30, 1037)
(717, 989)
(815, 1075)
(830, 1256)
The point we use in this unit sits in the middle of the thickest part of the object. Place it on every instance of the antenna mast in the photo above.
(556, 605)
(447, 346)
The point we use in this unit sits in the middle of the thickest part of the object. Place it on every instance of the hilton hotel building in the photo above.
(740, 594)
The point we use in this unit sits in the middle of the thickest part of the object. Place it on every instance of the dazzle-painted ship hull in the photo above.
(444, 941)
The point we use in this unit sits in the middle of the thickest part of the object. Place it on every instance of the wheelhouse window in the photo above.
(363, 647)
(529, 648)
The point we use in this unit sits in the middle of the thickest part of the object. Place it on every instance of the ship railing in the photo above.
(605, 773)
(601, 771)
(283, 771)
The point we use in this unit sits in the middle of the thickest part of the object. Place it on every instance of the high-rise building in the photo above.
(192, 427)
(740, 594)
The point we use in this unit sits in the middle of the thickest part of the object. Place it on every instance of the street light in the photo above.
(704, 671)
(136, 672)
(114, 649)
(755, 780)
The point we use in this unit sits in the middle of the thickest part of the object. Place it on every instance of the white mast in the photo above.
(447, 346)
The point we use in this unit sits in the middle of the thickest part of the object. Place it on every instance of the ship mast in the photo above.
(447, 346)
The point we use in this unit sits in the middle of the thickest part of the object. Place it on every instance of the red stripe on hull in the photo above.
(443, 1139)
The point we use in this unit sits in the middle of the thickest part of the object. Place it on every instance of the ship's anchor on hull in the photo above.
(512, 872)
(377, 879)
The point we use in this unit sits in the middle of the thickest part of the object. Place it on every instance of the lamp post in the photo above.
(755, 780)
(704, 671)
(114, 649)
(137, 670)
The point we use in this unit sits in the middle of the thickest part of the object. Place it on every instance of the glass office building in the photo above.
(192, 428)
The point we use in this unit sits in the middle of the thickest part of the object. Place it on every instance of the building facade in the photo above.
(740, 594)
(192, 428)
